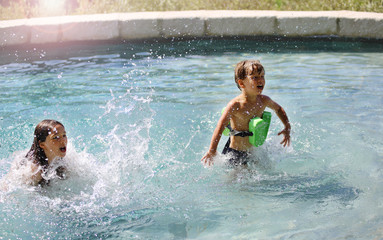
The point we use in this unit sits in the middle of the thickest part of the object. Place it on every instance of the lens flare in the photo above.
(52, 7)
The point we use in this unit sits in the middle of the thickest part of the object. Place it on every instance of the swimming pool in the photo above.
(139, 116)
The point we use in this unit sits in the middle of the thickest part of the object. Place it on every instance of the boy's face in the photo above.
(255, 82)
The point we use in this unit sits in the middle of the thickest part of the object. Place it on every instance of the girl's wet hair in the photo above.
(42, 130)
(247, 67)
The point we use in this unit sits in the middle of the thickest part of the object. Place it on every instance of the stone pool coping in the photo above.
(146, 25)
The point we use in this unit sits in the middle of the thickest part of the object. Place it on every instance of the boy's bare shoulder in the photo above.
(235, 103)
(265, 98)
(268, 102)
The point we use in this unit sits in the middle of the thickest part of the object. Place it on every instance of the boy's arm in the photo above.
(222, 123)
(284, 119)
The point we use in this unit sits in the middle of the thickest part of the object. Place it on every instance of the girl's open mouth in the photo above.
(63, 149)
(260, 87)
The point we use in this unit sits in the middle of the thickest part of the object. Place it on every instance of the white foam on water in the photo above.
(134, 167)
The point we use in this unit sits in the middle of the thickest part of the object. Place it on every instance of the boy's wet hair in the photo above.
(245, 68)
(42, 130)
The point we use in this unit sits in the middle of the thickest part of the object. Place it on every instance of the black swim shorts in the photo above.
(237, 158)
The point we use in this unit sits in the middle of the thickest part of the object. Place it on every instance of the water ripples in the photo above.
(139, 118)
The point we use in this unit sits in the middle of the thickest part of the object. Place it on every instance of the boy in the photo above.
(250, 79)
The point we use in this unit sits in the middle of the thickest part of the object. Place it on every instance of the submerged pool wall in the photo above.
(146, 25)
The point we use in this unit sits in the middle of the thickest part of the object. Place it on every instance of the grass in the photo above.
(26, 9)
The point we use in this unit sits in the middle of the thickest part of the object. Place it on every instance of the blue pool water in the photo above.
(139, 116)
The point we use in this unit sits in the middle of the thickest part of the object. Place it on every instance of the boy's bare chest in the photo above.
(251, 110)
(244, 114)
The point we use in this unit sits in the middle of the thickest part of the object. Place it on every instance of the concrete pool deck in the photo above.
(146, 25)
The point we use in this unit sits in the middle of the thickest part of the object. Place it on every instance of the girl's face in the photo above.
(55, 143)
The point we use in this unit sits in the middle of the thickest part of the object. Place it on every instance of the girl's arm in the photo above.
(36, 175)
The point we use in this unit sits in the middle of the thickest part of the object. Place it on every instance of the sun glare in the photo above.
(52, 7)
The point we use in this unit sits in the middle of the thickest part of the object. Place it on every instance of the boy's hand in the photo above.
(286, 139)
(207, 160)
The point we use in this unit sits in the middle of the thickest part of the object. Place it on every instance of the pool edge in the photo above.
(204, 23)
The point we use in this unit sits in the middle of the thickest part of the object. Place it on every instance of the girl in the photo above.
(42, 161)
(49, 144)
